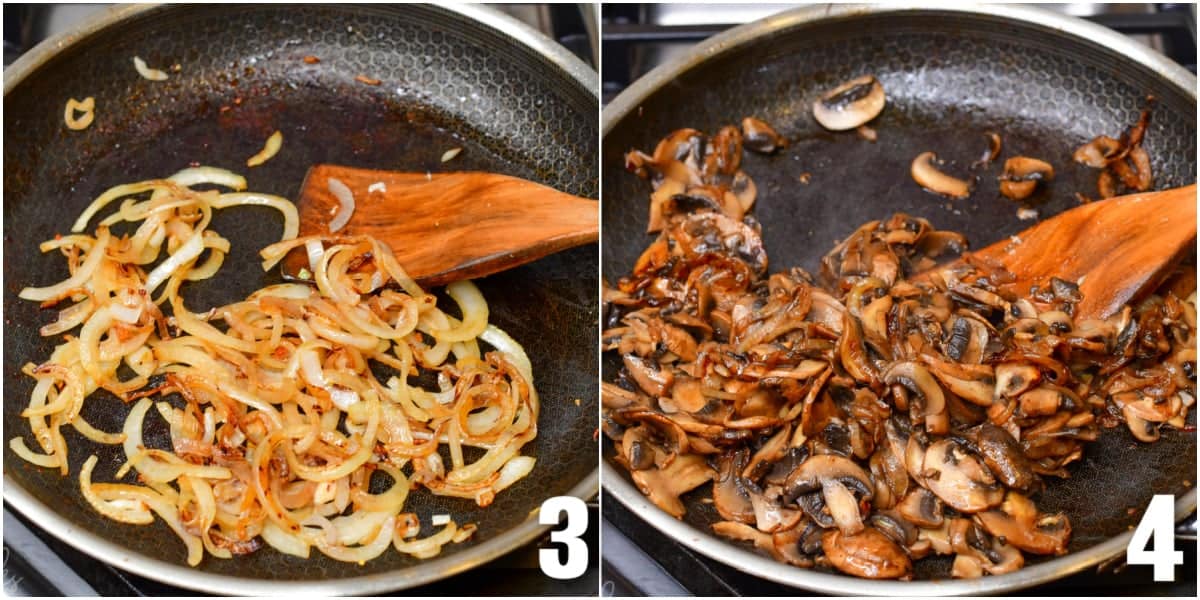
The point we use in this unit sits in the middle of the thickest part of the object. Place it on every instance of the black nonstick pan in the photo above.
(448, 77)
(1045, 83)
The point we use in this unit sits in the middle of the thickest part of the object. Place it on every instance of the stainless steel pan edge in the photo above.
(616, 484)
(16, 497)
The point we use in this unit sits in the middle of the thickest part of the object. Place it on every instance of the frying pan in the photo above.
(451, 76)
(1046, 83)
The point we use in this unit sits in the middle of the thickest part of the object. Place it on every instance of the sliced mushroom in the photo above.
(648, 375)
(741, 532)
(1098, 152)
(893, 525)
(929, 177)
(971, 382)
(769, 515)
(743, 190)
(959, 478)
(978, 552)
(731, 497)
(1019, 523)
(789, 544)
(1022, 175)
(916, 378)
(1041, 401)
(837, 479)
(1013, 379)
(868, 554)
(921, 508)
(850, 104)
(761, 137)
(1004, 456)
(966, 340)
(664, 486)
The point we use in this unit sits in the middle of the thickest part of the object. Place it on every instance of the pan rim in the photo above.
(18, 498)
(728, 553)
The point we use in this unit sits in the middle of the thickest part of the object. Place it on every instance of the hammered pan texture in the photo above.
(444, 82)
(949, 79)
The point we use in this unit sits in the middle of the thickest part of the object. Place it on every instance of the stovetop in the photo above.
(640, 561)
(37, 564)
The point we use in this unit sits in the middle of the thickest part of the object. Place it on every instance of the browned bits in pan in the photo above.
(312, 60)
(367, 80)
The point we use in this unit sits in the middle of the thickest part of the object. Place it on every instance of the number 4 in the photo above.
(1159, 523)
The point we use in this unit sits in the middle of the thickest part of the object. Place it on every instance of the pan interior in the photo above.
(445, 82)
(949, 78)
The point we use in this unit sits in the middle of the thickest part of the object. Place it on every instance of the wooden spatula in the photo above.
(1113, 249)
(448, 226)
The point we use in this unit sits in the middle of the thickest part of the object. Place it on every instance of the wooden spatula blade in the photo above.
(448, 226)
(1114, 249)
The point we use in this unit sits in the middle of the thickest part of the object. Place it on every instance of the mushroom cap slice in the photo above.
(868, 554)
(814, 472)
(921, 508)
(664, 486)
(850, 104)
(929, 177)
(959, 478)
(1020, 523)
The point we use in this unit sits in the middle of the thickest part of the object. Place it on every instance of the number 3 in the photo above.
(577, 551)
(1159, 523)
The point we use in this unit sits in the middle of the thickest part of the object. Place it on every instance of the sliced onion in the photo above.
(345, 200)
(147, 72)
(269, 150)
(316, 251)
(82, 275)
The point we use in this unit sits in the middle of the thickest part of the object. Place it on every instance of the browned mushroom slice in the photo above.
(1013, 379)
(761, 137)
(835, 477)
(662, 203)
(1022, 175)
(921, 508)
(1018, 521)
(723, 156)
(868, 554)
(966, 340)
(741, 532)
(769, 515)
(1004, 456)
(1041, 401)
(614, 396)
(788, 544)
(972, 382)
(931, 410)
(977, 552)
(770, 452)
(687, 395)
(731, 497)
(853, 352)
(927, 175)
(664, 486)
(890, 475)
(1098, 152)
(893, 525)
(850, 104)
(959, 478)
(649, 376)
(672, 438)
(683, 145)
(743, 189)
